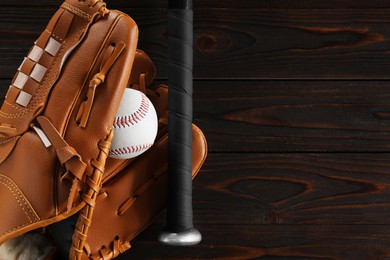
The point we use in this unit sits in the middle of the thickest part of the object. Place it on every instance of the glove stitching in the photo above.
(11, 186)
(57, 37)
(15, 187)
(20, 204)
(76, 11)
(4, 142)
(12, 105)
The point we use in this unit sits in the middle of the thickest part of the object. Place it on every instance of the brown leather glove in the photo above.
(56, 120)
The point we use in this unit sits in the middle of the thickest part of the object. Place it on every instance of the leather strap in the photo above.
(86, 107)
(94, 184)
(7, 130)
(67, 155)
(118, 247)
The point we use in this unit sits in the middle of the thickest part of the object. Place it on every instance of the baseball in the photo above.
(135, 126)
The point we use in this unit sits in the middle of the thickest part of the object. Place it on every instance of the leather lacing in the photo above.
(94, 183)
(144, 187)
(117, 247)
(75, 166)
(112, 54)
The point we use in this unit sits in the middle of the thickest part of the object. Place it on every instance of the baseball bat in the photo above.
(180, 230)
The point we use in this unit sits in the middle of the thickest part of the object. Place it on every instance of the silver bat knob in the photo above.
(186, 238)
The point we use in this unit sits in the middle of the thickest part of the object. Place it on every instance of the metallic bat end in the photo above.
(187, 238)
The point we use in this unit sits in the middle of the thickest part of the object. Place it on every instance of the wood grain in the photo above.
(293, 188)
(4, 85)
(248, 4)
(316, 116)
(256, 44)
(257, 116)
(285, 206)
(272, 242)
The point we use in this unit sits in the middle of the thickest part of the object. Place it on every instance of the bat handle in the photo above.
(180, 230)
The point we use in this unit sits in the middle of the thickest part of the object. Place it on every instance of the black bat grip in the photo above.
(180, 78)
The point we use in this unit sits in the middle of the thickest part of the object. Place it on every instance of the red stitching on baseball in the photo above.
(129, 149)
(134, 118)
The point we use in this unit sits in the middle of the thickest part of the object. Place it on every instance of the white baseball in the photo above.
(135, 126)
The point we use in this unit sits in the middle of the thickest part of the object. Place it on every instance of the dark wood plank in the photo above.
(272, 242)
(285, 206)
(4, 84)
(248, 4)
(261, 116)
(299, 44)
(255, 116)
(293, 188)
(257, 43)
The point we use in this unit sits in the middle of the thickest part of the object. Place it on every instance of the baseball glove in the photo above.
(56, 131)
(133, 192)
